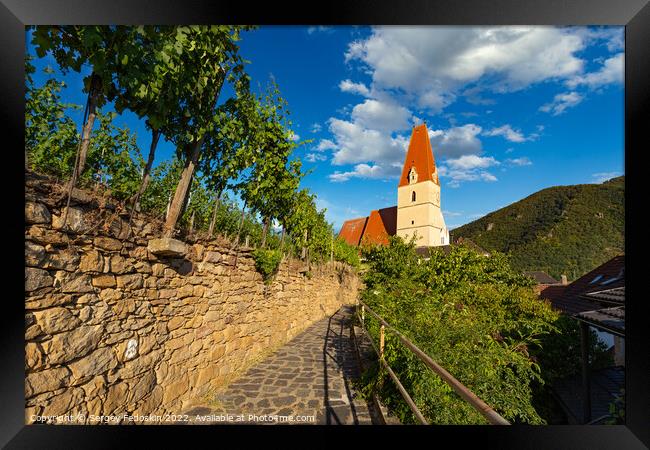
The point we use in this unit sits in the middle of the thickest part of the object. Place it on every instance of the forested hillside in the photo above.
(560, 230)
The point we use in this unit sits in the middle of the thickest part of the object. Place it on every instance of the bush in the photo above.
(267, 262)
(476, 316)
(346, 253)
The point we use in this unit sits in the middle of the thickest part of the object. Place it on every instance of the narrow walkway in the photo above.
(309, 379)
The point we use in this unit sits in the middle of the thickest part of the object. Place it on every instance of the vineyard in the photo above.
(172, 77)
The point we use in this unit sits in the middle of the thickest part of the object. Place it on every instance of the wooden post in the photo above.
(192, 223)
(246, 242)
(586, 388)
(169, 203)
(381, 341)
(214, 216)
(363, 315)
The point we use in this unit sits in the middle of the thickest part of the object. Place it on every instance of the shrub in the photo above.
(346, 253)
(267, 262)
(475, 316)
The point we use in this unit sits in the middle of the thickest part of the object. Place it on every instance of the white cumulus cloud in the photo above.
(355, 88)
(601, 177)
(508, 133)
(612, 71)
(561, 102)
(432, 63)
(468, 168)
(364, 171)
(456, 141)
(523, 161)
(471, 162)
(313, 157)
(381, 115)
(326, 144)
(357, 144)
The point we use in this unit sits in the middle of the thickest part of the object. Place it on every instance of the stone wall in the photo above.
(112, 329)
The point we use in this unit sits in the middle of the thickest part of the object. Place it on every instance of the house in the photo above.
(545, 281)
(417, 213)
(569, 298)
(596, 300)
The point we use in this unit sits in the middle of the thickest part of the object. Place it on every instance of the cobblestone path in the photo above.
(310, 376)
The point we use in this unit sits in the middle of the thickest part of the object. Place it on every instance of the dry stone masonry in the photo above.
(113, 329)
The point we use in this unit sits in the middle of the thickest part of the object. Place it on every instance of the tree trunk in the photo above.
(155, 136)
(304, 248)
(214, 215)
(192, 223)
(188, 197)
(265, 230)
(307, 236)
(180, 196)
(93, 94)
(241, 223)
(169, 204)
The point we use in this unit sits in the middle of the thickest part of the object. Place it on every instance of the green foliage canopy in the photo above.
(475, 316)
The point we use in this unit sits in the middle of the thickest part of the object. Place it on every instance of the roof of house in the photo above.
(570, 298)
(611, 320)
(381, 224)
(615, 296)
(352, 230)
(420, 156)
(541, 277)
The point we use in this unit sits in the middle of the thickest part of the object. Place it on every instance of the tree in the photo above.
(75, 46)
(206, 57)
(273, 180)
(51, 139)
(115, 158)
(475, 316)
(297, 222)
(50, 134)
(148, 86)
(230, 148)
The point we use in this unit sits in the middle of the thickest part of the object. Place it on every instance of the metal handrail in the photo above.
(492, 416)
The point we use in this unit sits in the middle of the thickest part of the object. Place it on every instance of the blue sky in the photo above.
(510, 110)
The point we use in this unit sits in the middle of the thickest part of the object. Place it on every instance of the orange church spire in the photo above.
(419, 157)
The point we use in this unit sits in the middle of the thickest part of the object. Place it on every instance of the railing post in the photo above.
(381, 341)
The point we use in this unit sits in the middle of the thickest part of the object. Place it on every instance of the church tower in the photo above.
(418, 194)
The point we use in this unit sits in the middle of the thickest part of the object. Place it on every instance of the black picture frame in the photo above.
(633, 14)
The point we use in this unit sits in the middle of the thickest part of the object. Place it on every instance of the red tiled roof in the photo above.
(377, 231)
(606, 276)
(352, 230)
(389, 218)
(419, 155)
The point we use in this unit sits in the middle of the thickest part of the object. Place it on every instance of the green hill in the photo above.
(560, 230)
